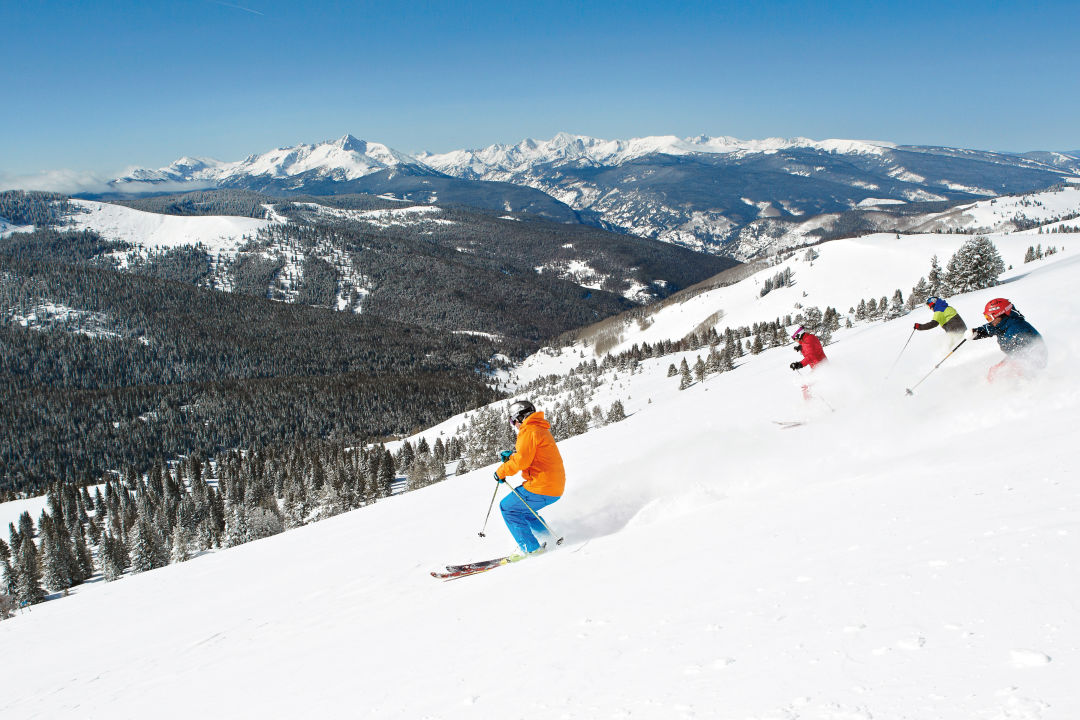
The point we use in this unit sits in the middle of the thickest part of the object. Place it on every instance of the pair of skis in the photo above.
(459, 571)
(788, 424)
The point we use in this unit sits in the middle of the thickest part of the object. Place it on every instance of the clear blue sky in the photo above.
(99, 86)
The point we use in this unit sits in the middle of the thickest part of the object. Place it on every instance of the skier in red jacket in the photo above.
(812, 352)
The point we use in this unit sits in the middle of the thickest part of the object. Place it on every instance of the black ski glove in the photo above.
(795, 365)
(798, 348)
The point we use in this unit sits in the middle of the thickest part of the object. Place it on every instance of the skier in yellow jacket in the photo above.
(946, 316)
(538, 460)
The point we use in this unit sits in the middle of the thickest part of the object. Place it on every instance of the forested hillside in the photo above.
(104, 369)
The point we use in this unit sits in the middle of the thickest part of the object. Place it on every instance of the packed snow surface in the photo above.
(901, 557)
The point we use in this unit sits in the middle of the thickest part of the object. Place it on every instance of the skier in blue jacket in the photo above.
(1024, 347)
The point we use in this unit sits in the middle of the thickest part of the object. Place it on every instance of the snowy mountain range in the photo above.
(894, 556)
(706, 193)
(343, 166)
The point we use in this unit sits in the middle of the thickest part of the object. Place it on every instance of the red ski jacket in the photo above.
(811, 350)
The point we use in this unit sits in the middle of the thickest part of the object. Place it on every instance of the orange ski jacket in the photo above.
(537, 458)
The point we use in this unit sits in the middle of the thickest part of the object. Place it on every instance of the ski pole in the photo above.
(514, 490)
(909, 390)
(893, 366)
(490, 505)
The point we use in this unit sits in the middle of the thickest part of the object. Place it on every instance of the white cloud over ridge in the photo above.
(75, 182)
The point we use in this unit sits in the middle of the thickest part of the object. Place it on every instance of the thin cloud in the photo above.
(76, 182)
(237, 7)
(67, 182)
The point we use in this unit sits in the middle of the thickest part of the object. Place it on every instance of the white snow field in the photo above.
(154, 231)
(899, 558)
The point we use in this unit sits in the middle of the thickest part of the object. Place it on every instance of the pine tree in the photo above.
(386, 474)
(975, 266)
(54, 570)
(418, 474)
(179, 552)
(113, 557)
(685, 380)
(7, 573)
(896, 306)
(28, 588)
(727, 360)
(140, 549)
(918, 295)
(616, 412)
(85, 558)
(936, 279)
(712, 361)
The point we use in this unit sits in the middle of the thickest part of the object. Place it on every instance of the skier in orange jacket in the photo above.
(538, 460)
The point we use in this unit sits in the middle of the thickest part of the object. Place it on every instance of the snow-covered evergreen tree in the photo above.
(861, 310)
(7, 573)
(146, 550)
(919, 294)
(113, 557)
(896, 306)
(616, 412)
(180, 551)
(685, 380)
(28, 589)
(936, 279)
(84, 557)
(976, 265)
(54, 571)
(263, 522)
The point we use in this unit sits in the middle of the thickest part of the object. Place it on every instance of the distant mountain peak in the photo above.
(351, 143)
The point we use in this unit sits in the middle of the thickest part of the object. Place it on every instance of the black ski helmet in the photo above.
(521, 410)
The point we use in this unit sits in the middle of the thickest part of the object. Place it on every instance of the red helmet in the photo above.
(996, 308)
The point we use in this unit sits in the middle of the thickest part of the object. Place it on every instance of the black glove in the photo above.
(795, 365)
(505, 455)
(798, 348)
(499, 479)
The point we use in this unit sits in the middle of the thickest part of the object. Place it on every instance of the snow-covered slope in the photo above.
(154, 231)
(901, 557)
(1010, 212)
(844, 272)
(7, 227)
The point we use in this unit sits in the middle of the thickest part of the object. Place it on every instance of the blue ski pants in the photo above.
(523, 524)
